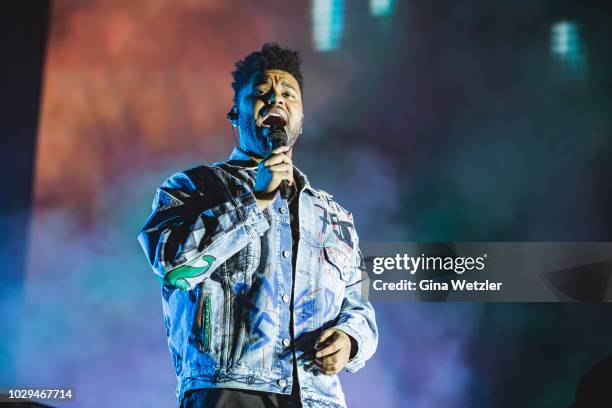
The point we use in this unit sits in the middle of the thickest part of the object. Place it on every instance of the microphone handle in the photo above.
(278, 138)
(284, 189)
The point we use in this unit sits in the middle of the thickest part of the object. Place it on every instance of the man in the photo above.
(261, 294)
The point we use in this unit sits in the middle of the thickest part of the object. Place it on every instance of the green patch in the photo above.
(177, 276)
(206, 322)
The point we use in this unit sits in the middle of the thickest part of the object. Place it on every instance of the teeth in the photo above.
(280, 115)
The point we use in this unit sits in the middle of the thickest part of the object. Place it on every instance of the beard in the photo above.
(254, 139)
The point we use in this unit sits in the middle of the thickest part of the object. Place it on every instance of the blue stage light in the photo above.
(381, 8)
(327, 24)
(565, 46)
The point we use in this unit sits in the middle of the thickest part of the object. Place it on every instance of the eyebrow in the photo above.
(266, 81)
(283, 82)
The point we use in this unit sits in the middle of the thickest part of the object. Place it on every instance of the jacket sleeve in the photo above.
(357, 317)
(196, 224)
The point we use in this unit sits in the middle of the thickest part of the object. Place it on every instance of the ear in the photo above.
(232, 116)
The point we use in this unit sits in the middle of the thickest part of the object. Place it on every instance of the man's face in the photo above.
(272, 96)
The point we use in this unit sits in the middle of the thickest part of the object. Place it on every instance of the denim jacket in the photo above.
(226, 273)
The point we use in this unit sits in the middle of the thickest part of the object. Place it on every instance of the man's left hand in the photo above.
(333, 351)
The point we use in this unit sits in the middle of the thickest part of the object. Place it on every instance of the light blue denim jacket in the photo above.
(228, 325)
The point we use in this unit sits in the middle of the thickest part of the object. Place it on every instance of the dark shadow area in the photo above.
(23, 30)
(594, 387)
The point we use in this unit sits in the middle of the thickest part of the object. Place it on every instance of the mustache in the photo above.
(293, 130)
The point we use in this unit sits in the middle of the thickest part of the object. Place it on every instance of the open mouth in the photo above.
(276, 117)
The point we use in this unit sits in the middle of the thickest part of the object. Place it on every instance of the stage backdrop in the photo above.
(429, 120)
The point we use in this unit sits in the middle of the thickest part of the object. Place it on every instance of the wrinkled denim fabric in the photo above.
(227, 314)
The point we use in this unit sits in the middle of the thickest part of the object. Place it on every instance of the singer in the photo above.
(261, 274)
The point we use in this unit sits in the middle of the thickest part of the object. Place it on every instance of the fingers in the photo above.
(326, 351)
(334, 346)
(272, 171)
(279, 176)
(277, 158)
(281, 149)
(280, 170)
(333, 363)
(332, 354)
(324, 335)
(281, 167)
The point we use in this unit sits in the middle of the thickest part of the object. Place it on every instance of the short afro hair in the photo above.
(271, 56)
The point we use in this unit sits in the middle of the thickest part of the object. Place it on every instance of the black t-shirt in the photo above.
(295, 237)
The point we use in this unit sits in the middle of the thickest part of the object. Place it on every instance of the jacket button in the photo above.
(286, 254)
(286, 342)
(282, 210)
(282, 382)
(285, 298)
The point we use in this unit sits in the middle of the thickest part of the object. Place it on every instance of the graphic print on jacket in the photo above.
(226, 269)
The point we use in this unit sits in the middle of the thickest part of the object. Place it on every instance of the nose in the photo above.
(276, 98)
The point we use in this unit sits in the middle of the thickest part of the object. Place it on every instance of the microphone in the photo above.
(277, 138)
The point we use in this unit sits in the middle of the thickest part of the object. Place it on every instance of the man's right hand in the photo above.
(271, 171)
